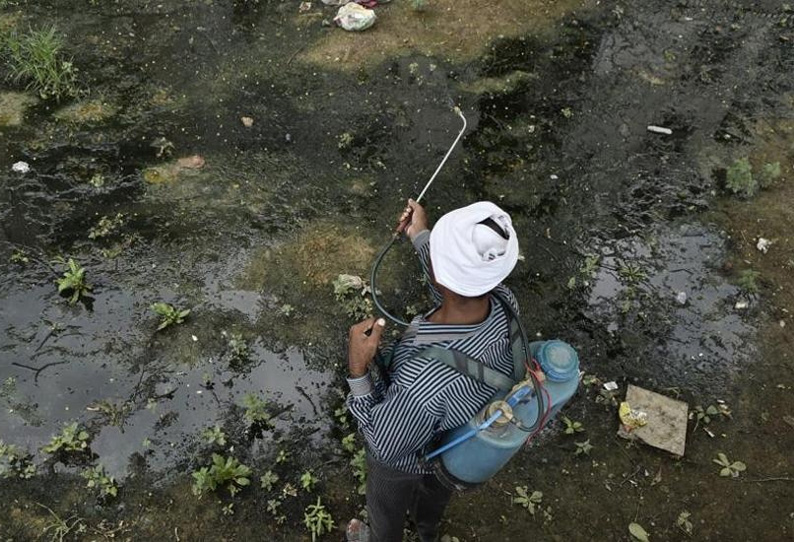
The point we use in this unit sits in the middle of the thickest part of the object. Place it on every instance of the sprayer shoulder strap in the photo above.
(468, 366)
(519, 344)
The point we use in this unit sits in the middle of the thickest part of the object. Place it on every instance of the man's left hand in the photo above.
(363, 343)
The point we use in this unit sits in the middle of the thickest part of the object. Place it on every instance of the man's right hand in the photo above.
(416, 219)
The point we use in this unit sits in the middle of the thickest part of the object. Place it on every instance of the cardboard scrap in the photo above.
(666, 420)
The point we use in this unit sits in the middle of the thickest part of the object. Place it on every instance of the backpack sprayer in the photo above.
(472, 453)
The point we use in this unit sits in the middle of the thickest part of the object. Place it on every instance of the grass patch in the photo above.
(35, 58)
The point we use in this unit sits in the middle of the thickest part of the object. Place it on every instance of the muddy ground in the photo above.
(235, 157)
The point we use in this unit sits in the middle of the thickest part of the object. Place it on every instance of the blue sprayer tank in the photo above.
(476, 459)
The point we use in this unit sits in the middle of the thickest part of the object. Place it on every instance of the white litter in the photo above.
(660, 130)
(741, 305)
(610, 386)
(354, 17)
(335, 2)
(680, 298)
(20, 167)
(763, 244)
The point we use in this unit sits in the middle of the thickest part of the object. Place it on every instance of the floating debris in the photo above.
(20, 167)
(660, 130)
(355, 18)
(666, 420)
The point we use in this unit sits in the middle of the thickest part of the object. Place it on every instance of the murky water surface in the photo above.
(243, 154)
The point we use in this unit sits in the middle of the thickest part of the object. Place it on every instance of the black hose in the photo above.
(373, 282)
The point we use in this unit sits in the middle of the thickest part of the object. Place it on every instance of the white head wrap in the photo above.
(470, 258)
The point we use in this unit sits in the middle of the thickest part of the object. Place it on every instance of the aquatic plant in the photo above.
(15, 462)
(729, 468)
(214, 435)
(238, 346)
(36, 59)
(748, 281)
(739, 178)
(169, 314)
(73, 281)
(106, 226)
(350, 292)
(571, 426)
(268, 480)
(631, 273)
(256, 411)
(318, 520)
(224, 472)
(71, 439)
(115, 413)
(530, 501)
(97, 478)
(308, 480)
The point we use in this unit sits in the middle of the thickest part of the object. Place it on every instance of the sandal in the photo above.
(357, 531)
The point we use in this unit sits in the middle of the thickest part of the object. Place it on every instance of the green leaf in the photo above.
(725, 471)
(739, 466)
(636, 530)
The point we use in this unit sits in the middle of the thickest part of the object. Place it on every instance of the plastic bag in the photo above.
(354, 17)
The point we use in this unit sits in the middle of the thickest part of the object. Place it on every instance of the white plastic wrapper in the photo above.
(335, 2)
(354, 17)
(20, 167)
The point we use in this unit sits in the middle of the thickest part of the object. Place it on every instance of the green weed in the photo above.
(98, 479)
(256, 410)
(71, 439)
(683, 522)
(59, 529)
(36, 59)
(238, 347)
(169, 315)
(350, 292)
(769, 174)
(529, 501)
(308, 481)
(739, 178)
(73, 281)
(318, 520)
(107, 226)
(224, 472)
(583, 448)
(214, 435)
(571, 426)
(268, 480)
(748, 281)
(359, 464)
(349, 443)
(15, 462)
(729, 468)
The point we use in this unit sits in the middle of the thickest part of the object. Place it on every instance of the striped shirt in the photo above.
(426, 397)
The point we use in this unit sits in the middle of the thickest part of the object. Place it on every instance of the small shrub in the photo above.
(739, 178)
(73, 281)
(169, 314)
(71, 439)
(224, 472)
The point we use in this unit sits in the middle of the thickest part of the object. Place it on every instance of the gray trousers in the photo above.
(392, 493)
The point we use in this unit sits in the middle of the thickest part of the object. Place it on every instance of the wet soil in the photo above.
(616, 223)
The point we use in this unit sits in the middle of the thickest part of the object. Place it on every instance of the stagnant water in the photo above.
(250, 236)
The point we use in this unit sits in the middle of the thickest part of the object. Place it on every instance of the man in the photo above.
(467, 255)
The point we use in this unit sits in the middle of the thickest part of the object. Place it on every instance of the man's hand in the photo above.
(415, 218)
(363, 343)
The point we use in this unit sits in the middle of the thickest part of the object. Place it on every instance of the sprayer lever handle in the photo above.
(405, 219)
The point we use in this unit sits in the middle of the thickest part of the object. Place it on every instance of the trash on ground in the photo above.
(247, 121)
(191, 162)
(610, 386)
(763, 244)
(304, 7)
(741, 305)
(660, 130)
(631, 418)
(680, 298)
(335, 2)
(20, 167)
(354, 18)
(666, 420)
